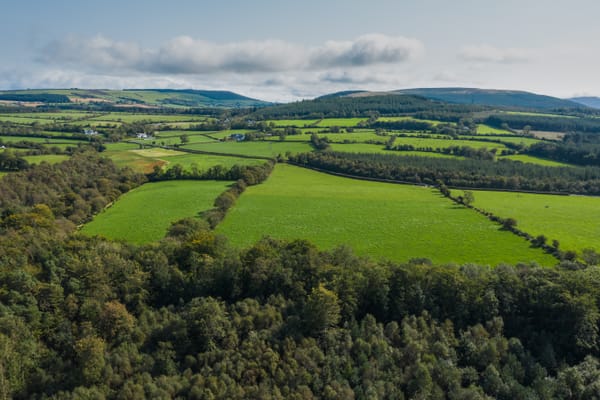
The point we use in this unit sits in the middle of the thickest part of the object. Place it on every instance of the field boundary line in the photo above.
(364, 178)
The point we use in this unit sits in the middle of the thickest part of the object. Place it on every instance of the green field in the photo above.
(265, 148)
(13, 139)
(133, 117)
(405, 118)
(144, 160)
(144, 214)
(398, 222)
(573, 220)
(341, 122)
(361, 148)
(376, 148)
(359, 136)
(298, 123)
(25, 120)
(526, 141)
(535, 160)
(490, 130)
(444, 143)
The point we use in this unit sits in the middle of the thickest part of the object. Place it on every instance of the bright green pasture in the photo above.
(298, 123)
(572, 220)
(490, 130)
(406, 118)
(205, 161)
(192, 135)
(354, 136)
(359, 136)
(535, 160)
(398, 222)
(144, 160)
(259, 148)
(444, 143)
(133, 117)
(526, 141)
(361, 148)
(535, 114)
(376, 148)
(225, 134)
(24, 120)
(341, 122)
(13, 139)
(59, 116)
(49, 158)
(144, 214)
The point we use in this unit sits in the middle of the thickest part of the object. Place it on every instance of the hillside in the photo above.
(593, 102)
(497, 98)
(364, 104)
(134, 97)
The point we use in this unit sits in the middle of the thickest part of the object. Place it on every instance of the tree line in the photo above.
(470, 173)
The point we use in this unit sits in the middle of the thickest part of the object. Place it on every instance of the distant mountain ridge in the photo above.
(488, 97)
(589, 101)
(492, 97)
(135, 97)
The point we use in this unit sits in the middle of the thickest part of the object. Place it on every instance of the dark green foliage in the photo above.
(503, 98)
(37, 97)
(190, 317)
(9, 161)
(74, 189)
(365, 107)
(470, 173)
(544, 123)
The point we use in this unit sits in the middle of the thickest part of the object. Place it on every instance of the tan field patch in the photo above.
(548, 135)
(154, 153)
(75, 99)
(22, 103)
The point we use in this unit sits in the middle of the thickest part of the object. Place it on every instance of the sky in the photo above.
(290, 50)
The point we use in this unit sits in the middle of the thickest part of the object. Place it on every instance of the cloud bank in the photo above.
(186, 55)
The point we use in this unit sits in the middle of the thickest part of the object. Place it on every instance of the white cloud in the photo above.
(186, 55)
(490, 54)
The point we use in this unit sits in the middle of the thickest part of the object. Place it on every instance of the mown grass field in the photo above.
(445, 143)
(265, 148)
(572, 220)
(535, 160)
(144, 214)
(144, 160)
(298, 123)
(406, 118)
(132, 117)
(13, 139)
(490, 130)
(526, 141)
(398, 222)
(376, 148)
(341, 122)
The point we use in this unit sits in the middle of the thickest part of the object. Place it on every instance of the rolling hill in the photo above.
(497, 98)
(593, 102)
(135, 97)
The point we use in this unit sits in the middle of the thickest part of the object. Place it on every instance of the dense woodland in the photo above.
(470, 173)
(544, 123)
(190, 317)
(366, 107)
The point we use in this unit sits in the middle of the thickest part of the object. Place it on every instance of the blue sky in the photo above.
(283, 50)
